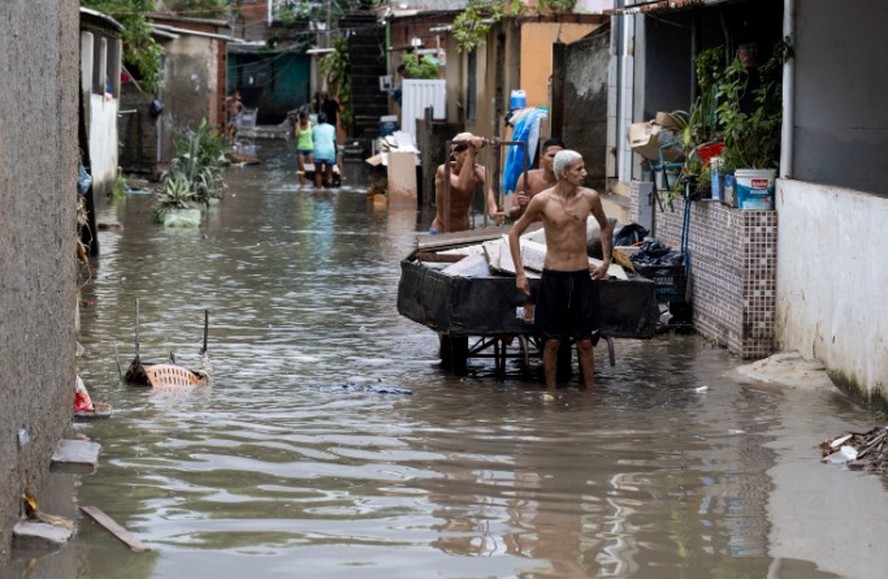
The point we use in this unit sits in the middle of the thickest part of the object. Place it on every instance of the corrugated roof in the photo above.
(660, 6)
(101, 17)
(406, 8)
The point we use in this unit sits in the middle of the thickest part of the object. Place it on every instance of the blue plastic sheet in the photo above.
(527, 130)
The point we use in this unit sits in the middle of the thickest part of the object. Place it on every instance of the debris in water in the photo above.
(859, 451)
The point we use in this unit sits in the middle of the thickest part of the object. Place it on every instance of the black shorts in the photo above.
(567, 306)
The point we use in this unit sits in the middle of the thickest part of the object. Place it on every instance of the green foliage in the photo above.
(119, 189)
(556, 5)
(752, 137)
(139, 48)
(296, 11)
(195, 173)
(425, 67)
(217, 9)
(751, 133)
(473, 24)
(336, 67)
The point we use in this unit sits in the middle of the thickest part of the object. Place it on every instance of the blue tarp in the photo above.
(527, 130)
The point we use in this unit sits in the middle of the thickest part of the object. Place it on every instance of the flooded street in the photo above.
(672, 466)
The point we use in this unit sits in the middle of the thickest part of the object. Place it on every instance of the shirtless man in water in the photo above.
(567, 302)
(465, 175)
(535, 180)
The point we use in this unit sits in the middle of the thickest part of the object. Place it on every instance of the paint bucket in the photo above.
(755, 189)
(517, 99)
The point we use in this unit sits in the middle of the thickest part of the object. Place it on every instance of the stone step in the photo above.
(75, 457)
(37, 535)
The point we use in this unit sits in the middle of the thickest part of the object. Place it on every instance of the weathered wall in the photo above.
(190, 86)
(103, 107)
(38, 172)
(536, 55)
(585, 103)
(831, 282)
(103, 143)
(840, 124)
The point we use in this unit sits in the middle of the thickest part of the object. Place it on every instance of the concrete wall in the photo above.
(585, 103)
(840, 122)
(38, 175)
(831, 274)
(103, 143)
(831, 281)
(103, 106)
(536, 55)
(190, 86)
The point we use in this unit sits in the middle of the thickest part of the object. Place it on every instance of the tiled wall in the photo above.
(733, 272)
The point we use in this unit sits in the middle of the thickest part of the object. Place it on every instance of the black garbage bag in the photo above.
(630, 234)
(654, 253)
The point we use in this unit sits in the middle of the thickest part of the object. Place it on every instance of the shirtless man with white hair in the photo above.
(567, 301)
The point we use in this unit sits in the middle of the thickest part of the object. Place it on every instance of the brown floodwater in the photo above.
(671, 466)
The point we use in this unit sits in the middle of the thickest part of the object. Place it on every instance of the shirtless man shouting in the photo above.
(567, 302)
(535, 180)
(465, 175)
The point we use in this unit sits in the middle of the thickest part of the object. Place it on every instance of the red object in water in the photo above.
(710, 150)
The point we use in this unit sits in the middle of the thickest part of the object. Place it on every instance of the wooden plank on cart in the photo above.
(533, 257)
(467, 237)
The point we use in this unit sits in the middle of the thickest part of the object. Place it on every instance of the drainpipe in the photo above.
(786, 132)
(388, 44)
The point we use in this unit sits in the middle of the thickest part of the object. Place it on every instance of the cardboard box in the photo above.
(667, 121)
(646, 139)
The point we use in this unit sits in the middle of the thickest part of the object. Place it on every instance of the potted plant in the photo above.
(737, 115)
(750, 117)
(698, 128)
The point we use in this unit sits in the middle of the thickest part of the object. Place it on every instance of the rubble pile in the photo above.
(859, 451)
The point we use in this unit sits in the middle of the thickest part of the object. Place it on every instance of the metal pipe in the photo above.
(447, 155)
(788, 121)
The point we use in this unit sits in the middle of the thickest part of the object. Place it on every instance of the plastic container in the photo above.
(670, 281)
(755, 189)
(718, 179)
(388, 124)
(517, 99)
(730, 191)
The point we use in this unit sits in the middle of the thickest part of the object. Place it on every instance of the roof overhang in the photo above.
(660, 6)
(175, 32)
(100, 18)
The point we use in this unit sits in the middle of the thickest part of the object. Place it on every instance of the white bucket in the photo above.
(755, 188)
(517, 99)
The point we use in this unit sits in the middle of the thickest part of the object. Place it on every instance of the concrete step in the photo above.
(40, 536)
(75, 457)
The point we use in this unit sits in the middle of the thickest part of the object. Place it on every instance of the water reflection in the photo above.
(660, 471)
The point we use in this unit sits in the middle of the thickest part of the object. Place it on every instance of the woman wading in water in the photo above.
(304, 143)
